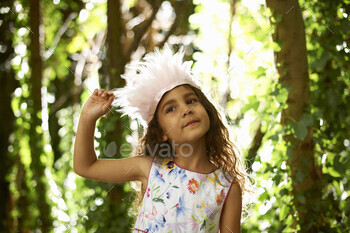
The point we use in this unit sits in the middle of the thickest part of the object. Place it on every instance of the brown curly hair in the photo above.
(221, 150)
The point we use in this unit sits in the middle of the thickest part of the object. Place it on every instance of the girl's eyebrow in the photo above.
(173, 100)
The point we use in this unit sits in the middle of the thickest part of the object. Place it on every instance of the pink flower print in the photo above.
(202, 177)
(147, 193)
(180, 227)
(193, 186)
(155, 222)
(165, 210)
(141, 214)
(177, 227)
(220, 196)
(151, 216)
(194, 225)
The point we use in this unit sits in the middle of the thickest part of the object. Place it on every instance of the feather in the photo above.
(149, 80)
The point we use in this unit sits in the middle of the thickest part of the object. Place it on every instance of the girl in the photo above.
(192, 177)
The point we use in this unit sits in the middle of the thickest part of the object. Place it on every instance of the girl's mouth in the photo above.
(191, 123)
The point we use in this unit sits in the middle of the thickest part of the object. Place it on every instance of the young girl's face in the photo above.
(178, 107)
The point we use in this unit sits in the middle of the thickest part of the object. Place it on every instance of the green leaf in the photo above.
(338, 166)
(253, 104)
(283, 212)
(288, 229)
(277, 18)
(300, 127)
(277, 178)
(321, 62)
(281, 92)
(194, 217)
(284, 192)
(333, 172)
(305, 162)
(276, 47)
(300, 175)
(203, 225)
(211, 228)
(157, 199)
(301, 198)
(273, 137)
(289, 220)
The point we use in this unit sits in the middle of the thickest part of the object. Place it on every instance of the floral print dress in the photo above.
(178, 200)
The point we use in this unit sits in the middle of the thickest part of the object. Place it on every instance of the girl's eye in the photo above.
(189, 101)
(169, 109)
(194, 100)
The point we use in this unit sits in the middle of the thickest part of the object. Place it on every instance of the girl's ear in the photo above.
(164, 138)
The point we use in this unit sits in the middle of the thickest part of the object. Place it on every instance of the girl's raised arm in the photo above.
(85, 162)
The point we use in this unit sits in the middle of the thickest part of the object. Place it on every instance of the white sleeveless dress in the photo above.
(178, 200)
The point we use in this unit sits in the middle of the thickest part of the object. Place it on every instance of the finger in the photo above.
(107, 94)
(110, 94)
(110, 100)
(95, 92)
(100, 92)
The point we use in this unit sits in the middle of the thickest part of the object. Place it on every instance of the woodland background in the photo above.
(280, 69)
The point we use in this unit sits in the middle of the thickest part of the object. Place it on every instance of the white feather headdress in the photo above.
(160, 72)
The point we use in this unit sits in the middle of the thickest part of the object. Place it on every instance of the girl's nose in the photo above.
(187, 111)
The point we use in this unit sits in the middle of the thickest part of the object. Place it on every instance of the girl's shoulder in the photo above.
(150, 160)
(145, 164)
(159, 160)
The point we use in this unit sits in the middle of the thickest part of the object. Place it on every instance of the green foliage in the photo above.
(326, 25)
(85, 205)
(300, 128)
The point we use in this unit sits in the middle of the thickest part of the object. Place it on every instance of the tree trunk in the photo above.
(23, 202)
(114, 41)
(36, 136)
(115, 66)
(7, 118)
(292, 66)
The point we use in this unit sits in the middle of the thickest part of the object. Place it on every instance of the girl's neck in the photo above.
(193, 156)
(203, 166)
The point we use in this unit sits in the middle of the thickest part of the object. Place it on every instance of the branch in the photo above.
(95, 48)
(141, 29)
(256, 143)
(179, 13)
(59, 34)
(67, 19)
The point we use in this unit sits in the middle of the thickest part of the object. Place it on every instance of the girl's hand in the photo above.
(98, 104)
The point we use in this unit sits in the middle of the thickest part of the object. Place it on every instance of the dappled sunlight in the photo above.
(276, 71)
